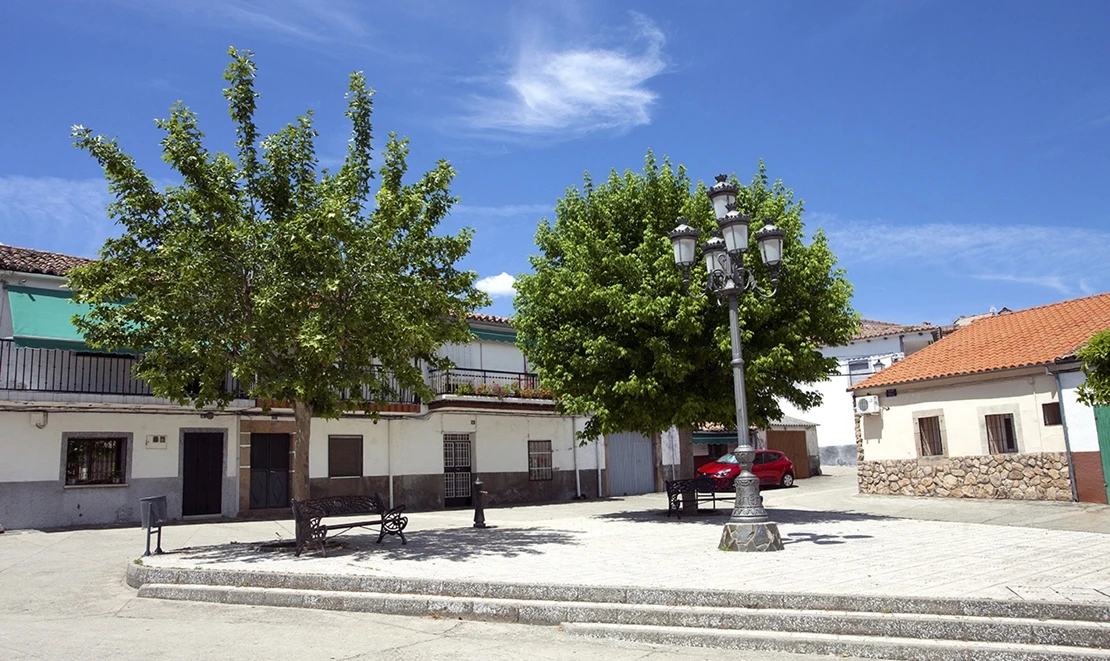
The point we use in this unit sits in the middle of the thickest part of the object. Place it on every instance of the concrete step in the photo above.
(869, 647)
(1025, 631)
(139, 575)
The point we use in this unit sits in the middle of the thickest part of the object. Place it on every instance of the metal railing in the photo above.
(487, 383)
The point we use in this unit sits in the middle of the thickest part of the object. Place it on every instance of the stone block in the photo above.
(750, 537)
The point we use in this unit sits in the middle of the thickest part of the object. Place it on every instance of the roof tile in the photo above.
(26, 260)
(1037, 336)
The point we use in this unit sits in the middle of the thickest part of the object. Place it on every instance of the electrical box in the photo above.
(156, 442)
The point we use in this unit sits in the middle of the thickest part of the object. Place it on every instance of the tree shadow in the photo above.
(719, 516)
(454, 544)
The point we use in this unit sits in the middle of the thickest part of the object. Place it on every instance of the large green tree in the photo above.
(607, 324)
(1095, 355)
(266, 268)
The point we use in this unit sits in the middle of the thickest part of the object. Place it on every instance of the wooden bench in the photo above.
(308, 516)
(702, 489)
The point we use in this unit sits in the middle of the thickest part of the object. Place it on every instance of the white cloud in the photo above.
(1069, 260)
(574, 90)
(503, 211)
(49, 213)
(301, 20)
(498, 286)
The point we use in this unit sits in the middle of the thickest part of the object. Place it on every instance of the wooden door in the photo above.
(792, 443)
(269, 471)
(202, 473)
(1102, 425)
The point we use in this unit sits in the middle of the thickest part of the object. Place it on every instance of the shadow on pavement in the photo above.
(456, 544)
(719, 516)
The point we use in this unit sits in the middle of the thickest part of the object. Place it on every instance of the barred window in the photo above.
(95, 461)
(1000, 433)
(539, 460)
(929, 433)
(344, 456)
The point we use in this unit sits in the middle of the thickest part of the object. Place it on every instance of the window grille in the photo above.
(1000, 433)
(539, 460)
(929, 433)
(95, 461)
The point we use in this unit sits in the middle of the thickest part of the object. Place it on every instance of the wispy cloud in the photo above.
(503, 211)
(498, 286)
(571, 90)
(1069, 260)
(301, 20)
(49, 213)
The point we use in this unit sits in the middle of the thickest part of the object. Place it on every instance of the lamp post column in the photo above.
(749, 528)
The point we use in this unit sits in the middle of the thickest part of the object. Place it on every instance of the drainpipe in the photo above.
(574, 450)
(1067, 439)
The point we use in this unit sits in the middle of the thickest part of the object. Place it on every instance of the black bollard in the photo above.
(479, 504)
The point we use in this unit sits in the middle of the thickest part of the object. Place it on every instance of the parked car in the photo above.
(771, 467)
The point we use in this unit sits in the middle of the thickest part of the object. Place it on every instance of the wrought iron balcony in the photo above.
(487, 383)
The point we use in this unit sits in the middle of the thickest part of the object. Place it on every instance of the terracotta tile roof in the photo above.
(26, 260)
(871, 328)
(1037, 336)
(489, 318)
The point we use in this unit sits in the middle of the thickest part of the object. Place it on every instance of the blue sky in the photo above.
(957, 154)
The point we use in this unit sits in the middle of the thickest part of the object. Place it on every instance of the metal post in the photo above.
(749, 528)
(479, 505)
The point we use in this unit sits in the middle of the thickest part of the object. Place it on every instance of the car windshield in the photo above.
(728, 459)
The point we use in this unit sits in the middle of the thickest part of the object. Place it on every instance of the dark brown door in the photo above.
(269, 471)
(201, 473)
(792, 443)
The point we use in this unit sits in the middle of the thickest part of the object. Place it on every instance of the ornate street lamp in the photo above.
(749, 528)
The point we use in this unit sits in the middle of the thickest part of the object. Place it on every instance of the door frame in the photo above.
(223, 432)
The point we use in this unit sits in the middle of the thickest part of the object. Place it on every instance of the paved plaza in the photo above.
(62, 594)
(854, 549)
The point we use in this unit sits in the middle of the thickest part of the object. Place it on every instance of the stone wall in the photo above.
(1012, 476)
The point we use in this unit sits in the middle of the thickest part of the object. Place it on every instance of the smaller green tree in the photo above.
(1096, 362)
(284, 277)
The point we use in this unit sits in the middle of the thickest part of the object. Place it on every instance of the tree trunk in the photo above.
(657, 456)
(298, 478)
(685, 452)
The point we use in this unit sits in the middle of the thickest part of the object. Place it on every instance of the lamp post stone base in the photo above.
(750, 537)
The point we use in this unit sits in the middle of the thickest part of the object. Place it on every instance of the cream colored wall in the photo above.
(414, 445)
(30, 454)
(890, 435)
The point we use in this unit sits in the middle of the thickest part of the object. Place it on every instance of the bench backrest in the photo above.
(318, 508)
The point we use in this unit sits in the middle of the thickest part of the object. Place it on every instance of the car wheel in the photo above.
(787, 480)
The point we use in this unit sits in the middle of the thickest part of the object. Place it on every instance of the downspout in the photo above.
(1067, 439)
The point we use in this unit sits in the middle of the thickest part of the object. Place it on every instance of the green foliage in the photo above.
(606, 323)
(262, 266)
(1096, 362)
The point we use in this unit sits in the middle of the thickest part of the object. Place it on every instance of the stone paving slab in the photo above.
(628, 542)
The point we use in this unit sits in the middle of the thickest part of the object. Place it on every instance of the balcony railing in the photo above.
(72, 372)
(487, 383)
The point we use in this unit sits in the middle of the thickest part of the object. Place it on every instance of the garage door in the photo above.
(793, 445)
(630, 465)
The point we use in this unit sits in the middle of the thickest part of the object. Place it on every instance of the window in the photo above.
(95, 461)
(1000, 433)
(344, 456)
(539, 460)
(858, 370)
(929, 440)
(1051, 413)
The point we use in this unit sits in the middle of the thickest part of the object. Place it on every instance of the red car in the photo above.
(771, 467)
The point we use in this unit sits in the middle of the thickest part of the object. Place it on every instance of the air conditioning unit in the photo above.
(867, 405)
